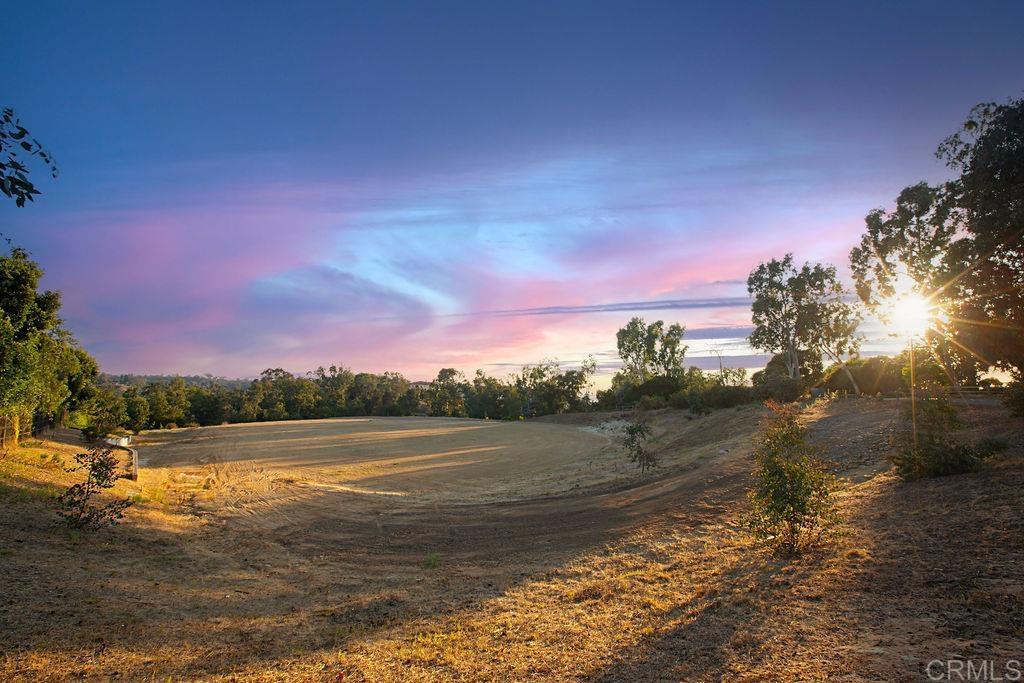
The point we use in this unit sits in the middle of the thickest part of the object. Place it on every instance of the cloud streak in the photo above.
(623, 306)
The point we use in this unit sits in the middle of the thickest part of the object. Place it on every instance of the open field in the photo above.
(418, 459)
(423, 460)
(272, 552)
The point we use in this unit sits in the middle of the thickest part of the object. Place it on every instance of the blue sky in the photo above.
(246, 185)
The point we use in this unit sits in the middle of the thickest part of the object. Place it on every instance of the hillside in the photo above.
(649, 581)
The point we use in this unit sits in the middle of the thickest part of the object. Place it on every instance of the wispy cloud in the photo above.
(631, 306)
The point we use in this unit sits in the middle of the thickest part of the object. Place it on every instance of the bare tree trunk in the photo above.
(849, 376)
(792, 361)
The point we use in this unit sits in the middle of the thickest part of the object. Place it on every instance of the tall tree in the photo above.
(651, 350)
(960, 245)
(988, 152)
(447, 394)
(29, 333)
(827, 322)
(776, 311)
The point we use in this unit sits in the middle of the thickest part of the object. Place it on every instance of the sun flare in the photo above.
(912, 315)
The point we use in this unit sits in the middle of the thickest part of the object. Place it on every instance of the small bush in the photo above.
(634, 438)
(678, 400)
(1014, 399)
(933, 451)
(989, 446)
(661, 386)
(651, 403)
(76, 508)
(779, 388)
(722, 396)
(695, 402)
(791, 502)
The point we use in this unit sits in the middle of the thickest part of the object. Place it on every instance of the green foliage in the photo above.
(800, 313)
(107, 411)
(136, 410)
(876, 375)
(720, 396)
(650, 350)
(16, 145)
(778, 388)
(635, 436)
(652, 403)
(961, 245)
(731, 377)
(42, 371)
(447, 394)
(695, 402)
(810, 368)
(661, 386)
(932, 451)
(791, 501)
(168, 402)
(1014, 399)
(988, 152)
(76, 507)
(539, 389)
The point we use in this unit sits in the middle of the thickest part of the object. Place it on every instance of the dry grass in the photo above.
(657, 582)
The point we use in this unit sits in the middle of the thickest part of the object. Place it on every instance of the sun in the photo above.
(911, 316)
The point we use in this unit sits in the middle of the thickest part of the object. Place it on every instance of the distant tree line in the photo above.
(541, 389)
(139, 381)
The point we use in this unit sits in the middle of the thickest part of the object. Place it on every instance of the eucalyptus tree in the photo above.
(828, 321)
(988, 153)
(803, 311)
(959, 244)
(650, 350)
(775, 311)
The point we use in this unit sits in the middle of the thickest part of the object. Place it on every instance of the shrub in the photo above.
(651, 403)
(932, 452)
(635, 437)
(678, 400)
(779, 388)
(791, 502)
(76, 508)
(1014, 399)
(661, 385)
(695, 402)
(723, 396)
(989, 446)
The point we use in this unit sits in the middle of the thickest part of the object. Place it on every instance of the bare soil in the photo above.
(291, 562)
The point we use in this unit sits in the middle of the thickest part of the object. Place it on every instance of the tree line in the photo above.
(337, 391)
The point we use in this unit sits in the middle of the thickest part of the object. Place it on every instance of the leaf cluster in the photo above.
(16, 143)
(76, 507)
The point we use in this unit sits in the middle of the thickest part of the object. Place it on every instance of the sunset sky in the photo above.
(406, 186)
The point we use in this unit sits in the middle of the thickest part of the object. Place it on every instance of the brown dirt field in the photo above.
(414, 458)
(234, 570)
